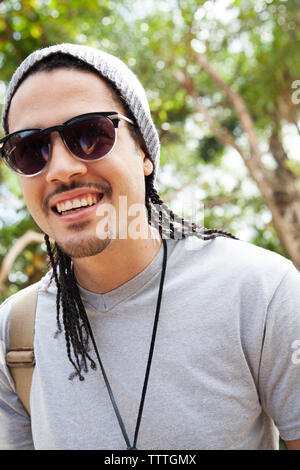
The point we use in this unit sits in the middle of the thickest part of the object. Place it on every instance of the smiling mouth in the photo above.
(77, 204)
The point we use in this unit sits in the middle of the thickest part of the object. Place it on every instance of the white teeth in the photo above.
(76, 203)
(68, 205)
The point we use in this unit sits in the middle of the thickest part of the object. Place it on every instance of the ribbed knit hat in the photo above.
(111, 68)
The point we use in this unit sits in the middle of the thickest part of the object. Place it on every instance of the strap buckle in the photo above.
(20, 357)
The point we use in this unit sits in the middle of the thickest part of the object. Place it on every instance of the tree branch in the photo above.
(253, 162)
(277, 150)
(219, 201)
(237, 102)
(222, 134)
(15, 251)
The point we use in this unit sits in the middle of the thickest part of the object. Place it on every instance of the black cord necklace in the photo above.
(112, 398)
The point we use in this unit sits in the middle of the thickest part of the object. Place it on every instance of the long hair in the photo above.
(71, 316)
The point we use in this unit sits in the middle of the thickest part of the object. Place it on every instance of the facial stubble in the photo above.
(82, 246)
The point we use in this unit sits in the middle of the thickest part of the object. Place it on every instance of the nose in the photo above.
(63, 166)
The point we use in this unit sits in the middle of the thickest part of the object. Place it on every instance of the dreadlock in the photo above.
(74, 316)
(70, 310)
(170, 223)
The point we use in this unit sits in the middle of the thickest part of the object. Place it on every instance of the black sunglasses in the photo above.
(88, 137)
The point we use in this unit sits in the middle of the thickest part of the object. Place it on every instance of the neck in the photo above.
(119, 262)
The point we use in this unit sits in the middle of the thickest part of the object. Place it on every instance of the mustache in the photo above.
(103, 187)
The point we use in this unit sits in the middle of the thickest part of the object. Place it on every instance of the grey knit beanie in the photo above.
(111, 68)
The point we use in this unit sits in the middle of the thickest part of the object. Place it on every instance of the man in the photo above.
(150, 332)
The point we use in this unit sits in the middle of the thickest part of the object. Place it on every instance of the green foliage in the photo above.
(30, 24)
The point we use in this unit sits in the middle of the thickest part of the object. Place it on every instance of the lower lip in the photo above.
(81, 214)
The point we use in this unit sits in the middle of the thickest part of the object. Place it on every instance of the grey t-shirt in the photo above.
(226, 366)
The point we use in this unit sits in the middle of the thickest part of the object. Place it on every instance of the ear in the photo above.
(148, 166)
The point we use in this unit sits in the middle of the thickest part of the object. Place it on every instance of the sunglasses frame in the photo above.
(113, 116)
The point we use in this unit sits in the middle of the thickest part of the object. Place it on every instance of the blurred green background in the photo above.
(222, 79)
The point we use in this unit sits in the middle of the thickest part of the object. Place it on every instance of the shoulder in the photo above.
(42, 286)
(225, 260)
(250, 261)
(242, 254)
(5, 309)
(223, 249)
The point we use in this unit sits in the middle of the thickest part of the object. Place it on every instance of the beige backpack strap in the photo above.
(20, 356)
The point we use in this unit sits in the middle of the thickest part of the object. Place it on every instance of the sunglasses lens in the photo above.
(25, 153)
(87, 137)
(90, 138)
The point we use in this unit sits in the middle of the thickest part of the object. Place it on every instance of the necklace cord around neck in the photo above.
(163, 272)
(110, 392)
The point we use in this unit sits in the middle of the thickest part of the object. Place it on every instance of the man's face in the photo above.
(47, 99)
